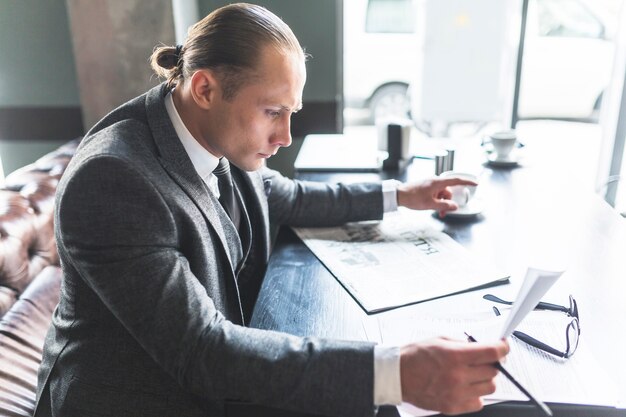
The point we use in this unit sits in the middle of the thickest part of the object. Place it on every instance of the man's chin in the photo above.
(250, 165)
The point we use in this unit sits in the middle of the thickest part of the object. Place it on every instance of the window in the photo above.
(568, 18)
(567, 59)
(390, 16)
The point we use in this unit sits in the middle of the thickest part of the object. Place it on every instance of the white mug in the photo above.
(461, 194)
(503, 143)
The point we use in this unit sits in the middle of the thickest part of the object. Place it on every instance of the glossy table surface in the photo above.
(533, 213)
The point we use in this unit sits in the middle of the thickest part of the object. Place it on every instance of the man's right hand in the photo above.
(449, 376)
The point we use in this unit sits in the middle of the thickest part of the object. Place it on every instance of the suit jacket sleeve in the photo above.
(122, 237)
(309, 204)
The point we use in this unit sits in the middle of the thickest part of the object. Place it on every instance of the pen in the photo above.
(510, 377)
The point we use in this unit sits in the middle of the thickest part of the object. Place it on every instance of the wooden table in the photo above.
(530, 212)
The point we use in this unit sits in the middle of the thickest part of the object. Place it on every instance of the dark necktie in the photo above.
(227, 192)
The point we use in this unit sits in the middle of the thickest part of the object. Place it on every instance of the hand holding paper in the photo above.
(536, 283)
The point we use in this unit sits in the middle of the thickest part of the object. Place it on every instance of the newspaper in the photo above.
(397, 261)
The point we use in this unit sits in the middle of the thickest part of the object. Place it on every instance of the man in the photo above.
(162, 261)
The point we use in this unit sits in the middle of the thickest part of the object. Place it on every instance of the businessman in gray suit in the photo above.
(164, 247)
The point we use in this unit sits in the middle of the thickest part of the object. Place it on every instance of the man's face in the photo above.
(251, 126)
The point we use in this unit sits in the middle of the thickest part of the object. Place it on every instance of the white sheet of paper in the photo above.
(349, 153)
(408, 410)
(578, 380)
(536, 283)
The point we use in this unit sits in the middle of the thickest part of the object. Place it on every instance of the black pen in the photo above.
(506, 373)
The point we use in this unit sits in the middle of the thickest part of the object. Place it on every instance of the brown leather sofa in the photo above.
(30, 277)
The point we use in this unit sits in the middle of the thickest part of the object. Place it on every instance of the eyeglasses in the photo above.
(572, 332)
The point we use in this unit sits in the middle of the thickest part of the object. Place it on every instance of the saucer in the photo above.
(474, 208)
(510, 160)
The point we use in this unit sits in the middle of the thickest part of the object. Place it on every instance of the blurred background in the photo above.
(567, 61)
(453, 67)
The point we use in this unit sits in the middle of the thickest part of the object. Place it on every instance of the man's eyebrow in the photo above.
(282, 107)
(289, 109)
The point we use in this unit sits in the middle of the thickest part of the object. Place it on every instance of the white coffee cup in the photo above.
(461, 194)
(503, 143)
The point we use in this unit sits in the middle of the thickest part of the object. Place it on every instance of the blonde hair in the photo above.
(228, 41)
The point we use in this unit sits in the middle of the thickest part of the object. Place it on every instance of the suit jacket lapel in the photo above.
(176, 162)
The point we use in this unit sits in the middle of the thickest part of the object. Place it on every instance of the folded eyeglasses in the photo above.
(572, 332)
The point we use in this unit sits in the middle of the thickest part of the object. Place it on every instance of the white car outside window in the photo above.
(566, 65)
(378, 63)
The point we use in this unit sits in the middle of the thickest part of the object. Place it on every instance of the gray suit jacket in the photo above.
(157, 286)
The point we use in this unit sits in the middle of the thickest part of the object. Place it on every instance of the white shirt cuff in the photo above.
(387, 388)
(390, 195)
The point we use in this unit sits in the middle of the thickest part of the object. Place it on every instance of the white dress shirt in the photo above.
(203, 161)
(387, 389)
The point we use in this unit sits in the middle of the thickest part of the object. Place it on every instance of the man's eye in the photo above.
(273, 113)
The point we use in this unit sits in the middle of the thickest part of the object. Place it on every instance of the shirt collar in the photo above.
(203, 161)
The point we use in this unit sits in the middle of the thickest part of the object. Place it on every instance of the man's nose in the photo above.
(282, 137)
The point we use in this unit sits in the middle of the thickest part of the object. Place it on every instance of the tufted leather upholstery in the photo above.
(7, 298)
(26, 233)
(35, 172)
(17, 237)
(49, 166)
(40, 196)
(22, 332)
(29, 275)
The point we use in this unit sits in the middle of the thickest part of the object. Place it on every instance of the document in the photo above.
(578, 380)
(397, 261)
(536, 283)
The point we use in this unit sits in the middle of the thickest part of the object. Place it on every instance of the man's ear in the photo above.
(205, 88)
